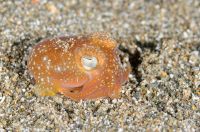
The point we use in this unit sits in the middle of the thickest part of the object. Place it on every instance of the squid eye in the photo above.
(89, 62)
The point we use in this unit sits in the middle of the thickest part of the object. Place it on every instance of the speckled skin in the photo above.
(56, 66)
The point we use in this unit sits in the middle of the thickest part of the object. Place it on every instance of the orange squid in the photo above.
(80, 67)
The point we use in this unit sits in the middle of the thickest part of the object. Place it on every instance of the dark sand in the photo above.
(162, 40)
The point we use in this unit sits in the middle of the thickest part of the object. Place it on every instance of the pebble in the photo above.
(186, 94)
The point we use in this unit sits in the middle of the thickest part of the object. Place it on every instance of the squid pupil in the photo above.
(89, 62)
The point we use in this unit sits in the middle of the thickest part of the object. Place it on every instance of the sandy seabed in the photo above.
(161, 39)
